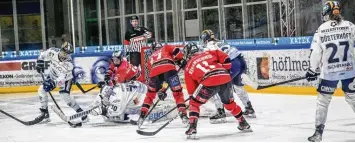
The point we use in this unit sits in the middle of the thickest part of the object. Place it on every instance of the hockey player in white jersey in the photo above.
(332, 51)
(237, 73)
(59, 75)
(116, 102)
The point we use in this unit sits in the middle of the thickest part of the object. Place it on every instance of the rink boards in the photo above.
(269, 61)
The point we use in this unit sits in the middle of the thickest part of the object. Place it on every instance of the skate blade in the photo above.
(251, 116)
(218, 121)
(45, 121)
(314, 139)
(192, 137)
(247, 130)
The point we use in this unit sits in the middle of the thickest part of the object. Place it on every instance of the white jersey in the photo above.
(333, 50)
(231, 51)
(58, 71)
(121, 98)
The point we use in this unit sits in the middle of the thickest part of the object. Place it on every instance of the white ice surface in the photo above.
(279, 118)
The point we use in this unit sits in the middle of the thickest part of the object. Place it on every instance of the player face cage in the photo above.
(189, 50)
(117, 58)
(206, 35)
(156, 46)
(330, 9)
(67, 48)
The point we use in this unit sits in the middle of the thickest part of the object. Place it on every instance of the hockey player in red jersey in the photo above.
(162, 68)
(120, 70)
(211, 69)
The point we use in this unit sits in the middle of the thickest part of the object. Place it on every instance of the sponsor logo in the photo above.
(327, 89)
(300, 40)
(31, 65)
(289, 64)
(6, 76)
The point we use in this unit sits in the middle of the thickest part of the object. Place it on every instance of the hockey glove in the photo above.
(48, 85)
(107, 77)
(101, 84)
(311, 75)
(162, 95)
(40, 66)
(182, 63)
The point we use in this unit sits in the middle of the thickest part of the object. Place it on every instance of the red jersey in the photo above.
(163, 60)
(124, 73)
(207, 68)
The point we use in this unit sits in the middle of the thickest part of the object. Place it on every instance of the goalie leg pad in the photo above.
(43, 97)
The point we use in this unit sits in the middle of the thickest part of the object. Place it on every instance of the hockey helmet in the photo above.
(67, 48)
(189, 50)
(117, 57)
(156, 46)
(330, 9)
(206, 36)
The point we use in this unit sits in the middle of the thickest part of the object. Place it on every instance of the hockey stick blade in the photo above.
(27, 123)
(82, 89)
(171, 110)
(280, 83)
(72, 117)
(143, 133)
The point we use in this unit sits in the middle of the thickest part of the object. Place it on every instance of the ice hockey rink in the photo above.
(279, 118)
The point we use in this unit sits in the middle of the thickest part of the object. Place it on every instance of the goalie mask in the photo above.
(117, 58)
(190, 49)
(330, 9)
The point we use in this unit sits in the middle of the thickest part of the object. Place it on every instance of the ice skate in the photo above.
(184, 118)
(219, 117)
(249, 111)
(46, 115)
(244, 126)
(191, 132)
(317, 136)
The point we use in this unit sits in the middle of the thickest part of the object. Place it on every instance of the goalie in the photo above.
(116, 102)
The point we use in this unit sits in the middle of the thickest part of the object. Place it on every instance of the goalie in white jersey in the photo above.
(237, 73)
(59, 75)
(332, 51)
(116, 102)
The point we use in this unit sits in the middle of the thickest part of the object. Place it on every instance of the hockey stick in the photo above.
(256, 86)
(167, 123)
(74, 116)
(27, 123)
(151, 109)
(59, 109)
(197, 89)
(162, 127)
(171, 110)
(82, 89)
(280, 83)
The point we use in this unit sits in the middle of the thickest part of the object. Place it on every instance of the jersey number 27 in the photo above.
(335, 50)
